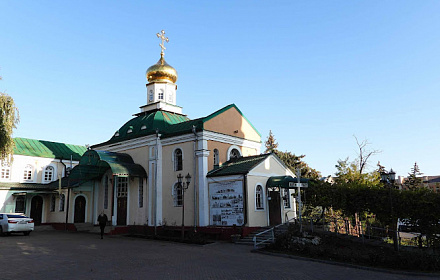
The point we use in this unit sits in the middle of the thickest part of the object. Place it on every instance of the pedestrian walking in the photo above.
(102, 220)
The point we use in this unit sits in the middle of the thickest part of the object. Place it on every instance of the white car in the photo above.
(15, 222)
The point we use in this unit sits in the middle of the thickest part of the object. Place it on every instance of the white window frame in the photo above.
(176, 201)
(228, 156)
(5, 171)
(141, 193)
(20, 197)
(173, 158)
(262, 199)
(28, 171)
(216, 158)
(62, 203)
(287, 201)
(122, 187)
(52, 176)
(161, 95)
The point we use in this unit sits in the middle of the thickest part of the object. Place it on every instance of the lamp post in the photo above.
(389, 178)
(183, 186)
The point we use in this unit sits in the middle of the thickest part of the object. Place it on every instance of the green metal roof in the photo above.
(168, 124)
(237, 166)
(283, 181)
(47, 149)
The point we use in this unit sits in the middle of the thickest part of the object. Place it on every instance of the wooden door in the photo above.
(80, 210)
(274, 207)
(37, 209)
(122, 211)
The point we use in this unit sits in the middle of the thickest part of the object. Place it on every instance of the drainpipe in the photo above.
(60, 177)
(196, 139)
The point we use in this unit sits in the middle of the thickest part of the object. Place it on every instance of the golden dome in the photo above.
(161, 72)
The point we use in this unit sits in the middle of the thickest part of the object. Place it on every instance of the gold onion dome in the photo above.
(161, 72)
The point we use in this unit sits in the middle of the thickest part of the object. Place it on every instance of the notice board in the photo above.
(226, 203)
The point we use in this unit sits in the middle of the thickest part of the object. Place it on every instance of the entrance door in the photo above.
(274, 207)
(37, 209)
(122, 211)
(80, 210)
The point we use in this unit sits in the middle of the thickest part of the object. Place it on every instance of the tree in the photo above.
(413, 182)
(9, 118)
(349, 173)
(271, 144)
(355, 172)
(291, 160)
(364, 154)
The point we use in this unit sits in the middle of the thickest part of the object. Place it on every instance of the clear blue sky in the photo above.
(314, 72)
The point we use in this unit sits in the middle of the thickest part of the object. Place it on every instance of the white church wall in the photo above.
(7, 202)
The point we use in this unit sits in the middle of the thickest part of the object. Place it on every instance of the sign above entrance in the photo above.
(298, 185)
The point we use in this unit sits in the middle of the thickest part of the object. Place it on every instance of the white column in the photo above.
(115, 200)
(95, 202)
(202, 154)
(159, 183)
(151, 184)
(155, 182)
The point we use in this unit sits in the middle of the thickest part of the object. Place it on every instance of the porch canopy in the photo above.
(95, 163)
(285, 182)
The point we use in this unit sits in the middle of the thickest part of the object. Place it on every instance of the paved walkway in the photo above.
(70, 255)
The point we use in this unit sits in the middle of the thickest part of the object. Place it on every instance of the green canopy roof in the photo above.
(284, 181)
(95, 163)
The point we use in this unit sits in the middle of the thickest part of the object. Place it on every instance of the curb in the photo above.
(390, 271)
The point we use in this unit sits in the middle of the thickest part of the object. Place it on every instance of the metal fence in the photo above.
(360, 229)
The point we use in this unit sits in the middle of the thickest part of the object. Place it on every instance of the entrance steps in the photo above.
(89, 227)
(249, 239)
(44, 228)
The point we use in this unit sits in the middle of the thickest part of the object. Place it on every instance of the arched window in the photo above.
(259, 195)
(19, 204)
(52, 203)
(234, 153)
(62, 202)
(161, 94)
(27, 174)
(48, 174)
(177, 195)
(178, 164)
(216, 158)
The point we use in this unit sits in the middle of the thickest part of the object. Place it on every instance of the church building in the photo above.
(163, 168)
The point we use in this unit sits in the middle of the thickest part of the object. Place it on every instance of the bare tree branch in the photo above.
(364, 154)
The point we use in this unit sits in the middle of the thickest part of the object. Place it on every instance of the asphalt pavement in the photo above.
(72, 255)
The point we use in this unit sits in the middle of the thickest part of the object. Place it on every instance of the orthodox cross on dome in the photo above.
(161, 35)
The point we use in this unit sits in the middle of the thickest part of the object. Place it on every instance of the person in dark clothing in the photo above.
(102, 220)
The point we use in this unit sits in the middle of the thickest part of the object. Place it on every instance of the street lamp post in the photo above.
(183, 186)
(389, 178)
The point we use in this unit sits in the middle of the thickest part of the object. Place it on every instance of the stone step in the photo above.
(88, 227)
(44, 228)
